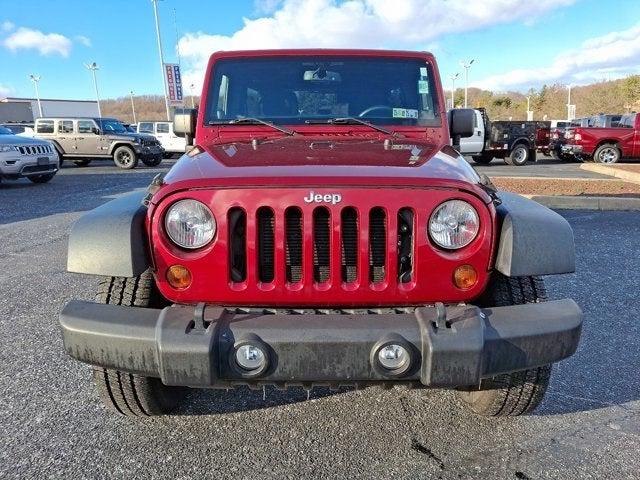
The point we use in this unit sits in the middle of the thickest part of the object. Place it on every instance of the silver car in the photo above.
(22, 157)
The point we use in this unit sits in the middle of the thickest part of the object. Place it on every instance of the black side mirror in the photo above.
(461, 122)
(96, 130)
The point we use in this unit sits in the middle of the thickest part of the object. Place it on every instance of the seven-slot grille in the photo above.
(314, 238)
(34, 149)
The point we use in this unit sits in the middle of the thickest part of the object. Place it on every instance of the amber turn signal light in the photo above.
(179, 277)
(465, 277)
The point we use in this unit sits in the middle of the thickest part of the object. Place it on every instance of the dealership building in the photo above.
(15, 109)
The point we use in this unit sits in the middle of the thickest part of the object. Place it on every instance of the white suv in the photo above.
(163, 131)
(21, 157)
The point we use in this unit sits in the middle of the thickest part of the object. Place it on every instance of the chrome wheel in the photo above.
(608, 155)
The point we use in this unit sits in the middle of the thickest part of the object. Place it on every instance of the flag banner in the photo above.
(174, 84)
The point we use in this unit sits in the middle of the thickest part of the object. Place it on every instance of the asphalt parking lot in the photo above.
(544, 167)
(53, 426)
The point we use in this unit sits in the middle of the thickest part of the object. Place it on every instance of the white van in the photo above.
(163, 131)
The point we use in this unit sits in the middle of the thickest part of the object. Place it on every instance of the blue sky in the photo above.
(516, 44)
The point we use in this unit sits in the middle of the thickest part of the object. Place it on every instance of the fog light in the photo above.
(465, 277)
(394, 357)
(179, 277)
(250, 357)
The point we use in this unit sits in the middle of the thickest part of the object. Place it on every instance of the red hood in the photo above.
(314, 161)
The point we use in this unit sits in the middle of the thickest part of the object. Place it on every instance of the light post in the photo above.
(133, 107)
(94, 67)
(164, 77)
(192, 87)
(571, 109)
(466, 66)
(453, 88)
(529, 112)
(35, 79)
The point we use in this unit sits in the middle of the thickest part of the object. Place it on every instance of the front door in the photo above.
(87, 140)
(66, 136)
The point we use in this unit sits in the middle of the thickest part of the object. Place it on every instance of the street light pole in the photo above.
(192, 87)
(93, 67)
(35, 79)
(133, 107)
(466, 66)
(164, 78)
(453, 88)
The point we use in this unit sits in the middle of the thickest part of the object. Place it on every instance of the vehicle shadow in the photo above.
(243, 399)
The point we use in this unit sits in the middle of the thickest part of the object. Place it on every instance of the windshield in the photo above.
(111, 126)
(298, 90)
(5, 131)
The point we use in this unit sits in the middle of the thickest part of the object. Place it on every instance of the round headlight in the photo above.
(190, 224)
(454, 224)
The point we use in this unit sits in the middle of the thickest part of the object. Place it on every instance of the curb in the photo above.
(612, 172)
(568, 202)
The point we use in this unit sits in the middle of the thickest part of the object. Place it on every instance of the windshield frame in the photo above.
(436, 120)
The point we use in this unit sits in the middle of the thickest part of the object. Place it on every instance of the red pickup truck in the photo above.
(606, 145)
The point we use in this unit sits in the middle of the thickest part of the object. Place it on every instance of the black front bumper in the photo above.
(184, 346)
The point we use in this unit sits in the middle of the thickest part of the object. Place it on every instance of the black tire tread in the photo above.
(125, 393)
(514, 393)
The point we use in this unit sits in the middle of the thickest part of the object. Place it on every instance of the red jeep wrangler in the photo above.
(322, 231)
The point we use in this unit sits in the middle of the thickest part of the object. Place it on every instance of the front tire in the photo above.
(519, 156)
(607, 153)
(153, 161)
(125, 393)
(124, 157)
(41, 178)
(482, 159)
(516, 393)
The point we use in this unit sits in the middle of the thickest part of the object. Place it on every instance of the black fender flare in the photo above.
(534, 240)
(121, 143)
(111, 240)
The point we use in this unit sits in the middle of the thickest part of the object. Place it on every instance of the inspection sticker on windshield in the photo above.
(423, 86)
(405, 113)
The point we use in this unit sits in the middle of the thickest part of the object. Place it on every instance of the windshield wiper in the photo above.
(255, 121)
(356, 120)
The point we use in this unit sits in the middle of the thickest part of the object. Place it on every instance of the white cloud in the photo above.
(81, 39)
(44, 43)
(6, 26)
(610, 56)
(357, 23)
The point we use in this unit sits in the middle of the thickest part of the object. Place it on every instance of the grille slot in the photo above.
(265, 224)
(377, 244)
(293, 244)
(349, 247)
(237, 221)
(405, 245)
(321, 245)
